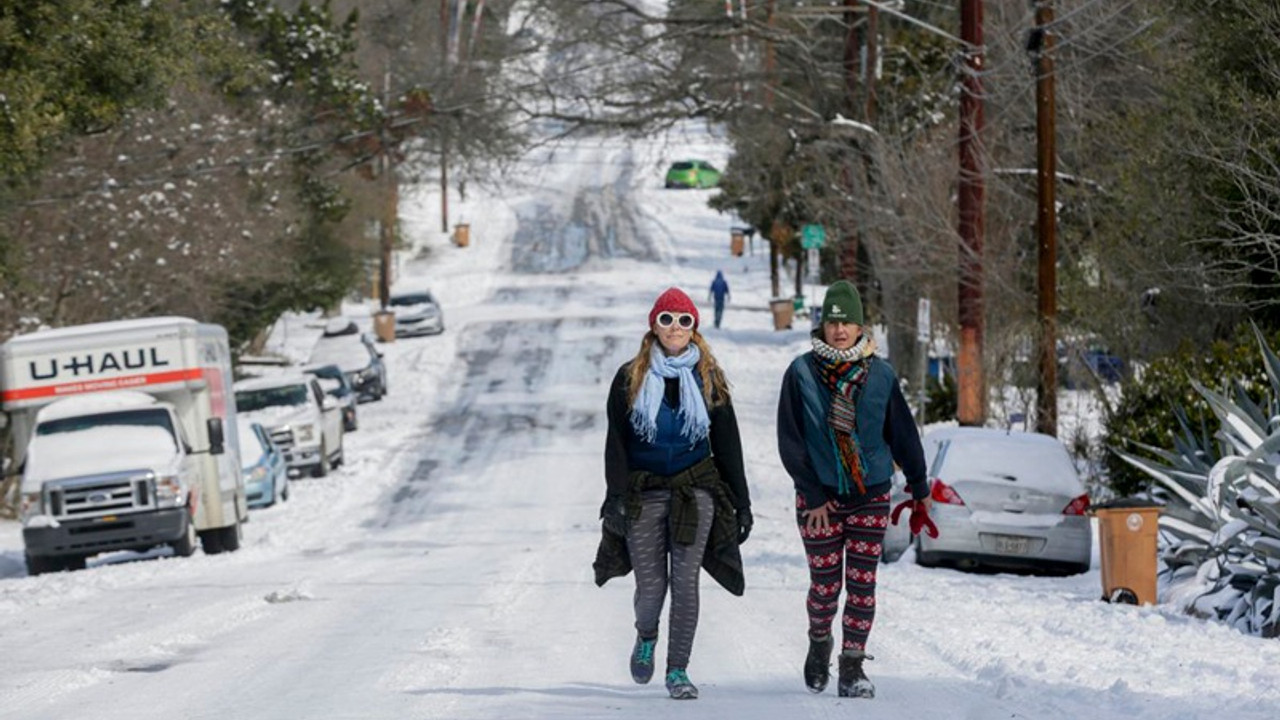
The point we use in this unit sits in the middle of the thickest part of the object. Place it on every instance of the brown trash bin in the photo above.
(736, 242)
(1127, 532)
(384, 326)
(462, 234)
(783, 311)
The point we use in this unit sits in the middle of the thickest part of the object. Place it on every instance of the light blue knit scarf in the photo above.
(693, 410)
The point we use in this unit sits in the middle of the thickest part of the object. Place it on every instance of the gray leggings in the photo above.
(656, 559)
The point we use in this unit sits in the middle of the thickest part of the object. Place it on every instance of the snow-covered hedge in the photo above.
(1220, 529)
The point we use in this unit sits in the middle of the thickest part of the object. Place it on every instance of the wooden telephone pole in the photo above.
(971, 404)
(1041, 46)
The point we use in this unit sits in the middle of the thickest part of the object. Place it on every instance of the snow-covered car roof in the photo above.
(346, 351)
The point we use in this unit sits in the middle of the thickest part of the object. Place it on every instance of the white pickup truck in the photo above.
(303, 420)
(125, 435)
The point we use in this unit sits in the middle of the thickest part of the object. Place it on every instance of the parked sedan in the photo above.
(266, 474)
(335, 384)
(692, 174)
(417, 313)
(1005, 500)
(343, 344)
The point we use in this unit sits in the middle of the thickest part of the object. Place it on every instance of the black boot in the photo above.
(817, 665)
(853, 681)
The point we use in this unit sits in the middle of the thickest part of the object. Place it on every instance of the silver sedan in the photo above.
(1006, 501)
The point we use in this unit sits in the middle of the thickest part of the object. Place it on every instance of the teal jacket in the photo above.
(886, 434)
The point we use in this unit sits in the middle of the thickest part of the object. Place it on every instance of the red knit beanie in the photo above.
(673, 300)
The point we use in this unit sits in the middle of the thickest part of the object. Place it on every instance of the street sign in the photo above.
(922, 321)
(812, 265)
(812, 236)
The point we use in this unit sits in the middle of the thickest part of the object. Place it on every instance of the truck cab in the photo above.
(304, 421)
(104, 472)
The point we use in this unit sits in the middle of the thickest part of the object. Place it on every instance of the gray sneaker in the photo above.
(642, 659)
(679, 686)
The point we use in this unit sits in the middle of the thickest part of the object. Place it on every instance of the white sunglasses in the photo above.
(667, 319)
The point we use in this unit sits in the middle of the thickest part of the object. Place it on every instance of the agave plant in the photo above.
(1220, 528)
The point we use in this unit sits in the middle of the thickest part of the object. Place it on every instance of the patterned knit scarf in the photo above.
(844, 373)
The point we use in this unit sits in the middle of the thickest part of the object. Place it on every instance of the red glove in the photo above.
(919, 517)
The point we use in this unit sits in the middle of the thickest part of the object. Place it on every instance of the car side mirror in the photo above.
(217, 443)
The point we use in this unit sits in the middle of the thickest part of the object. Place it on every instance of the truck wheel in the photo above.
(211, 541)
(185, 546)
(230, 537)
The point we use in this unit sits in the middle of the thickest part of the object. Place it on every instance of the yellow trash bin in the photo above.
(462, 234)
(736, 240)
(783, 311)
(1127, 533)
(384, 326)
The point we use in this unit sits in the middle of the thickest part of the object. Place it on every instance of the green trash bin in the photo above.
(797, 303)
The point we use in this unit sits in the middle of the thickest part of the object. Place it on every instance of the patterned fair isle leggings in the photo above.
(846, 554)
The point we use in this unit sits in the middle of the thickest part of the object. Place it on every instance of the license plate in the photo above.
(1012, 544)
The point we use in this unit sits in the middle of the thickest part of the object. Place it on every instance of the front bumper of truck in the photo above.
(131, 531)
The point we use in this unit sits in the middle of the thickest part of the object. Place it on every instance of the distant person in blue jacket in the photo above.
(719, 294)
(676, 490)
(843, 424)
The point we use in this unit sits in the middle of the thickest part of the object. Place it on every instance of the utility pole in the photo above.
(391, 192)
(1041, 46)
(769, 80)
(445, 37)
(971, 403)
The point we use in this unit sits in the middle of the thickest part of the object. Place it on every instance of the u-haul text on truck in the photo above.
(125, 436)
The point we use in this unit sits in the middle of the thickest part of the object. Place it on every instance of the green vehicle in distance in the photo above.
(692, 174)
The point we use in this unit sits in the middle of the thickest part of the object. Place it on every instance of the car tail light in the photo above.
(944, 493)
(1079, 506)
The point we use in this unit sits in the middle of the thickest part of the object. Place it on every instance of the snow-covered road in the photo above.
(445, 571)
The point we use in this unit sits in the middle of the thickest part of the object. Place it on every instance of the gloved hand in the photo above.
(614, 514)
(745, 521)
(919, 517)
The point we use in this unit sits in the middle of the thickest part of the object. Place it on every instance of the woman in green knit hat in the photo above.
(843, 424)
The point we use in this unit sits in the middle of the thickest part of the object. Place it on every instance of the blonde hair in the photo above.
(715, 388)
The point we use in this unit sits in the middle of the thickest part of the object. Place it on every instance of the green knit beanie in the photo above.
(842, 304)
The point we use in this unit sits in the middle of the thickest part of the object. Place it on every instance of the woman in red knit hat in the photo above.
(676, 493)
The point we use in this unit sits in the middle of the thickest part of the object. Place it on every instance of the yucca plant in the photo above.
(1220, 528)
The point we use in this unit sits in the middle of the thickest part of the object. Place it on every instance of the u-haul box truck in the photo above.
(125, 435)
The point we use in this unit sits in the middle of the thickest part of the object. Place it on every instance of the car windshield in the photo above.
(332, 387)
(285, 396)
(682, 166)
(1036, 465)
(251, 448)
(149, 418)
(415, 299)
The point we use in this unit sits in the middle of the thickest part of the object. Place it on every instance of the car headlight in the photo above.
(257, 474)
(169, 490)
(29, 504)
(305, 433)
